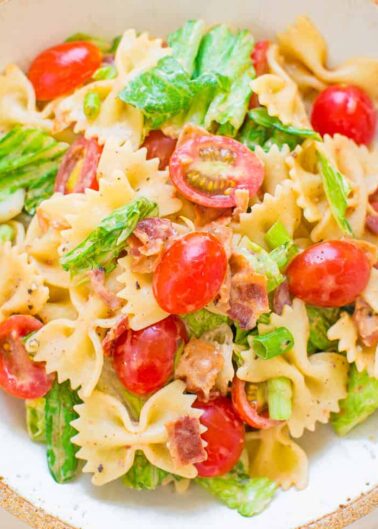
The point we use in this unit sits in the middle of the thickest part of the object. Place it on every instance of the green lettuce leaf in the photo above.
(337, 190)
(185, 43)
(103, 45)
(360, 403)
(249, 496)
(105, 243)
(143, 475)
(321, 319)
(35, 419)
(262, 263)
(202, 321)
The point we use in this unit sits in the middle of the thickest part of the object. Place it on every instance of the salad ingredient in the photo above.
(346, 110)
(184, 441)
(273, 343)
(6, 233)
(262, 263)
(97, 281)
(321, 319)
(336, 189)
(77, 172)
(61, 69)
(202, 321)
(237, 490)
(260, 57)
(366, 321)
(92, 105)
(249, 410)
(277, 235)
(329, 274)
(207, 169)
(109, 71)
(143, 475)
(160, 146)
(359, 404)
(279, 395)
(224, 437)
(144, 359)
(281, 297)
(59, 413)
(185, 43)
(190, 273)
(103, 45)
(106, 242)
(19, 375)
(35, 419)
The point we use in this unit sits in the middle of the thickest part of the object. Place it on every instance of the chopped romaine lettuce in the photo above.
(237, 490)
(106, 242)
(143, 475)
(280, 396)
(35, 419)
(337, 190)
(360, 403)
(262, 262)
(185, 43)
(321, 319)
(202, 321)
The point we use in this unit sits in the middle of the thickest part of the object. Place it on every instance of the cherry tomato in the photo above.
(346, 110)
(144, 359)
(248, 411)
(160, 146)
(224, 437)
(329, 274)
(77, 171)
(207, 169)
(190, 273)
(260, 57)
(63, 68)
(19, 375)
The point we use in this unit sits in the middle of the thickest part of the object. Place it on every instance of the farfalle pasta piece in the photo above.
(18, 102)
(21, 285)
(280, 206)
(318, 381)
(273, 454)
(279, 93)
(305, 51)
(140, 306)
(275, 166)
(115, 119)
(108, 439)
(346, 332)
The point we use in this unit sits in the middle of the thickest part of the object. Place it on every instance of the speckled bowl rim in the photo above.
(39, 519)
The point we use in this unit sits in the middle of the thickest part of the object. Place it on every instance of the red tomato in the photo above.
(160, 146)
(19, 375)
(260, 58)
(247, 410)
(63, 68)
(190, 273)
(77, 171)
(207, 169)
(224, 437)
(144, 359)
(329, 274)
(346, 110)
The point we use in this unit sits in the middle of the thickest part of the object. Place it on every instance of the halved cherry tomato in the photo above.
(260, 57)
(19, 375)
(207, 169)
(248, 411)
(329, 274)
(224, 437)
(63, 68)
(144, 359)
(160, 146)
(346, 110)
(190, 273)
(77, 171)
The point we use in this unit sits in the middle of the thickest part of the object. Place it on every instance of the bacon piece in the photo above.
(221, 229)
(249, 295)
(281, 297)
(199, 367)
(366, 321)
(222, 299)
(184, 441)
(203, 215)
(109, 342)
(147, 243)
(97, 279)
(372, 223)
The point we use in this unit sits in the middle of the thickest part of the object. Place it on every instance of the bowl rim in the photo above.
(38, 518)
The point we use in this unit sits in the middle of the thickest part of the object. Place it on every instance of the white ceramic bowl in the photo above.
(340, 469)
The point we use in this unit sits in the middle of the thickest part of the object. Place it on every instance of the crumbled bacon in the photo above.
(366, 321)
(221, 229)
(203, 215)
(281, 297)
(222, 300)
(148, 241)
(199, 367)
(372, 223)
(184, 441)
(97, 279)
(109, 342)
(249, 295)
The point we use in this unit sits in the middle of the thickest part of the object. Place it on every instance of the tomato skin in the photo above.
(329, 274)
(144, 360)
(212, 193)
(19, 375)
(61, 69)
(260, 58)
(224, 437)
(190, 273)
(247, 410)
(346, 110)
(160, 146)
